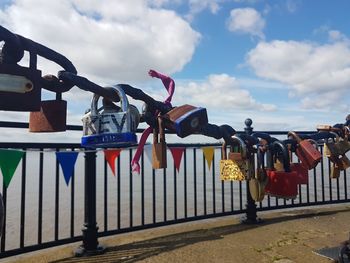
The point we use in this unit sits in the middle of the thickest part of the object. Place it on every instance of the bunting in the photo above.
(9, 160)
(67, 161)
(110, 156)
(208, 154)
(177, 156)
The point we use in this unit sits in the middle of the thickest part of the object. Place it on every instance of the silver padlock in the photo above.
(110, 125)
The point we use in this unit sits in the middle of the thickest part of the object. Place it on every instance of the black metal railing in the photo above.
(41, 211)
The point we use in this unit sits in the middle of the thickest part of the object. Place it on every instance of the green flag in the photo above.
(9, 160)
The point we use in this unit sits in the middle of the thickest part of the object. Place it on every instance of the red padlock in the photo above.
(282, 184)
(302, 173)
(306, 151)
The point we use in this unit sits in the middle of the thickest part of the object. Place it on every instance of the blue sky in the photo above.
(283, 63)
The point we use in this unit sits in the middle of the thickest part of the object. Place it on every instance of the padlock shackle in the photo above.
(279, 147)
(260, 158)
(334, 136)
(234, 140)
(118, 92)
(159, 131)
(294, 135)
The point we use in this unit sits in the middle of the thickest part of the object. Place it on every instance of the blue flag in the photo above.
(67, 161)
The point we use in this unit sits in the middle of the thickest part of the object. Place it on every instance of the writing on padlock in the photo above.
(110, 125)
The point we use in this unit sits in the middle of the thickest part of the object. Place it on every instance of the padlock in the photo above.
(185, 120)
(159, 148)
(342, 162)
(344, 144)
(258, 183)
(331, 146)
(278, 165)
(282, 184)
(335, 171)
(302, 172)
(235, 165)
(111, 125)
(51, 117)
(20, 87)
(345, 162)
(306, 151)
(299, 168)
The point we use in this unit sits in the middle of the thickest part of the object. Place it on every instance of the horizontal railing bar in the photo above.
(25, 125)
(26, 249)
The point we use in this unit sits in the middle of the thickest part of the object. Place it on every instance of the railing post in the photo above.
(251, 217)
(90, 244)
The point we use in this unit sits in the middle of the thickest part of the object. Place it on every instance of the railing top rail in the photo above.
(24, 125)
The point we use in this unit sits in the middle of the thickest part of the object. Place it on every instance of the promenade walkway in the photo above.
(283, 237)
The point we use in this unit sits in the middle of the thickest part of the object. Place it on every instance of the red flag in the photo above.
(177, 156)
(110, 156)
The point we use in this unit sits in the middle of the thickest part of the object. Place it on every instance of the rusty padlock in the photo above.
(51, 117)
(159, 157)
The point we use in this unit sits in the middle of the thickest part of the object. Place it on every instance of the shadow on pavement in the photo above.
(143, 249)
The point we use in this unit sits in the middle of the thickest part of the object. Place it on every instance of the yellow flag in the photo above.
(208, 154)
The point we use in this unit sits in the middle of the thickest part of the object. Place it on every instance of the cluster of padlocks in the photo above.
(115, 124)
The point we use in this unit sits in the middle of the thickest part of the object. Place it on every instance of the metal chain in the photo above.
(13, 51)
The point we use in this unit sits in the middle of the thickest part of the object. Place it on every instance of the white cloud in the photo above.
(307, 68)
(197, 6)
(247, 21)
(113, 40)
(335, 35)
(322, 101)
(217, 92)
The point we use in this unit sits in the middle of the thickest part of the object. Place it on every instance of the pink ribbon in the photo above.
(169, 84)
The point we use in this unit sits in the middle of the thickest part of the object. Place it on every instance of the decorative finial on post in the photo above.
(248, 129)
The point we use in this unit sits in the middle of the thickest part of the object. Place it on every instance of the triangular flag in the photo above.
(147, 149)
(208, 154)
(110, 156)
(177, 155)
(67, 161)
(9, 160)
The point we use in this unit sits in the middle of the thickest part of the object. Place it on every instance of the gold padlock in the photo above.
(235, 167)
(159, 157)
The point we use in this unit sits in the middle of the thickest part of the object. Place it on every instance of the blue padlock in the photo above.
(185, 120)
(111, 125)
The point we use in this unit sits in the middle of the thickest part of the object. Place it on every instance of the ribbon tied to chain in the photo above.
(169, 84)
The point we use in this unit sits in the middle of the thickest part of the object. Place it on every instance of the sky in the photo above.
(284, 63)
